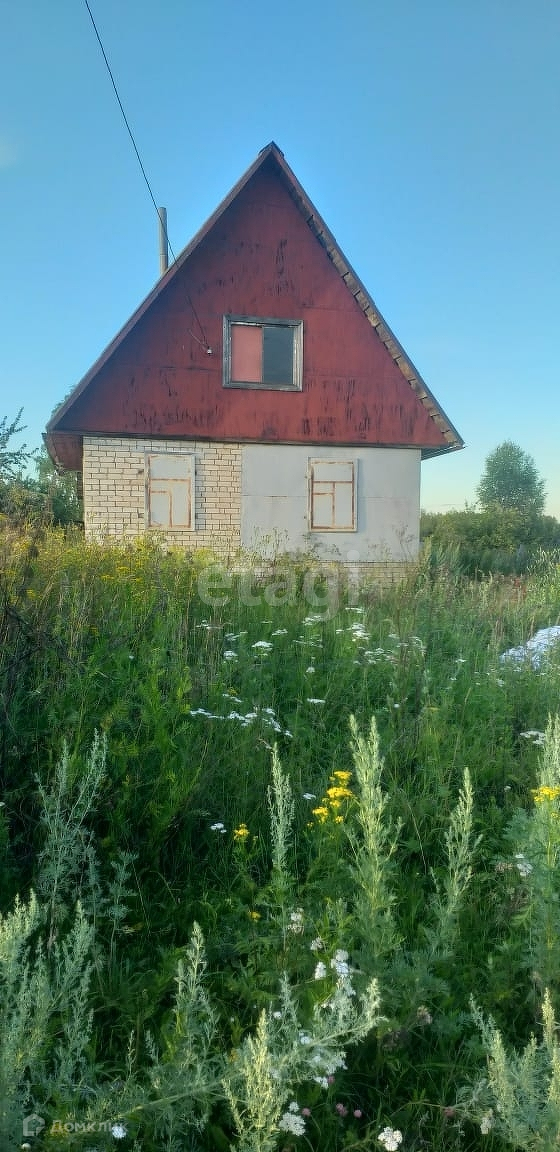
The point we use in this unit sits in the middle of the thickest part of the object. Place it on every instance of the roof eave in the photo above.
(428, 453)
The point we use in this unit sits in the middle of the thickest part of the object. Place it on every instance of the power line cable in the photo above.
(204, 341)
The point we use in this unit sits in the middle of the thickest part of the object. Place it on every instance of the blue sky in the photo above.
(427, 132)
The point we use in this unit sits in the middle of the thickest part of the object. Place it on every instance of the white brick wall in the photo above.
(115, 503)
(115, 490)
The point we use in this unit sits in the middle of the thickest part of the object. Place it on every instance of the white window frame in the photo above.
(265, 322)
(176, 487)
(321, 486)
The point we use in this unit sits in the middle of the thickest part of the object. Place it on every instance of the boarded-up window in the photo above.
(170, 490)
(332, 495)
(262, 353)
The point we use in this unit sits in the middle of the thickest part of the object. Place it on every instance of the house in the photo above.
(256, 394)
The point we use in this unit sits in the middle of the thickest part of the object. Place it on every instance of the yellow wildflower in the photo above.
(338, 793)
(321, 813)
(342, 777)
(254, 915)
(545, 792)
(240, 834)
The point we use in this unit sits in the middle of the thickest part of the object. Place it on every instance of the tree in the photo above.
(12, 460)
(47, 499)
(59, 489)
(511, 481)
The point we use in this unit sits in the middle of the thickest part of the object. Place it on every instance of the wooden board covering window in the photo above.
(332, 495)
(170, 490)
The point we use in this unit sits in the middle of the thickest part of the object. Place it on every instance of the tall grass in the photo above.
(228, 789)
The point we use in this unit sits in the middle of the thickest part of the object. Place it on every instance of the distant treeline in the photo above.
(496, 540)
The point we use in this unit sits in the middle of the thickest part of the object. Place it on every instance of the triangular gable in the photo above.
(63, 435)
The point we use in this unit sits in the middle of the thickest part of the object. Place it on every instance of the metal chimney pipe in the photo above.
(163, 241)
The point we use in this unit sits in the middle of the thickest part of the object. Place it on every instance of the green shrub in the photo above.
(496, 540)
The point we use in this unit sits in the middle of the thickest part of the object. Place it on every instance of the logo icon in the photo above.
(32, 1125)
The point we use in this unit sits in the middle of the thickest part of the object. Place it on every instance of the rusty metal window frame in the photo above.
(166, 484)
(265, 322)
(334, 526)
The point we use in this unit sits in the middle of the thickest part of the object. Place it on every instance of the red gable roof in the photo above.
(264, 252)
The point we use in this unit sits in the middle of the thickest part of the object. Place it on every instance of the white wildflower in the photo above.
(292, 1123)
(390, 1138)
(320, 971)
(336, 1060)
(423, 1015)
(277, 1015)
(280, 632)
(310, 670)
(118, 1131)
(487, 1122)
(523, 866)
(293, 1107)
(309, 796)
(264, 645)
(314, 700)
(229, 655)
(340, 963)
(217, 827)
(304, 1038)
(296, 921)
(316, 944)
(534, 736)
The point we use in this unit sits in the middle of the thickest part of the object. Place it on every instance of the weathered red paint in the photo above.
(259, 259)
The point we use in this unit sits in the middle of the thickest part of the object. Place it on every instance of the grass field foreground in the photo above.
(279, 855)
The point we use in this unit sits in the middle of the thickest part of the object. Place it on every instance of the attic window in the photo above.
(262, 353)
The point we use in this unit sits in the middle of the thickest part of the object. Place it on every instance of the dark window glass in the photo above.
(278, 355)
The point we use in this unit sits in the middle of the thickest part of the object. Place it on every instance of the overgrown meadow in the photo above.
(279, 855)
